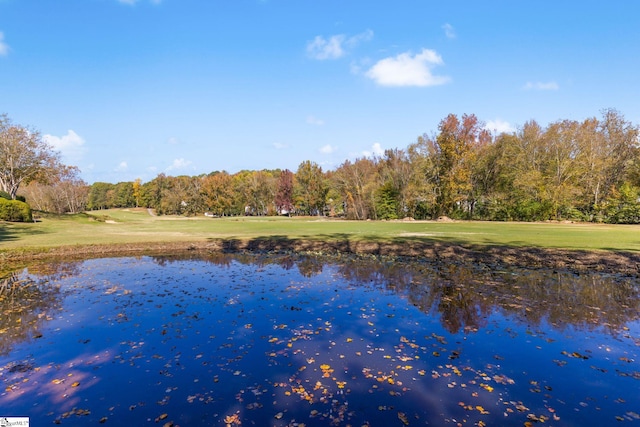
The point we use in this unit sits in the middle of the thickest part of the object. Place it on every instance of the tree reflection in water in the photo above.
(464, 295)
(28, 300)
(358, 338)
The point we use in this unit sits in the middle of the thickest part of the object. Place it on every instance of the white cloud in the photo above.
(122, 166)
(365, 36)
(499, 126)
(541, 86)
(4, 48)
(71, 145)
(408, 70)
(334, 47)
(173, 140)
(358, 65)
(312, 120)
(280, 146)
(328, 149)
(321, 48)
(449, 31)
(179, 164)
(376, 150)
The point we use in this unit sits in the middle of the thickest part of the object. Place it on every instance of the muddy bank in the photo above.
(627, 263)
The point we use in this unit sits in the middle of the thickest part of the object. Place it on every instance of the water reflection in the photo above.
(464, 295)
(307, 340)
(27, 301)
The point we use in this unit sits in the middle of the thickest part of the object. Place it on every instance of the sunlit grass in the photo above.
(136, 226)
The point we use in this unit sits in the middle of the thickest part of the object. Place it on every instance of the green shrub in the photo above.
(15, 211)
(622, 206)
(5, 195)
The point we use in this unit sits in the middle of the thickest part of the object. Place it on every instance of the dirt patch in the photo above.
(627, 263)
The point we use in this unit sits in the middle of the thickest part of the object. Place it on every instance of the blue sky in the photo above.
(128, 89)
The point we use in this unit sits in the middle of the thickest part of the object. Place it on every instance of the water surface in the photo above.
(283, 340)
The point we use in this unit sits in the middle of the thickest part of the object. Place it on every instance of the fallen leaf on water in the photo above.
(230, 420)
(482, 410)
(487, 387)
(402, 417)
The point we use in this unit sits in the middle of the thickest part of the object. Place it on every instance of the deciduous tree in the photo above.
(356, 184)
(311, 188)
(218, 193)
(455, 151)
(284, 193)
(67, 193)
(24, 157)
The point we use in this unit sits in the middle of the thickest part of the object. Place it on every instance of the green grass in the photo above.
(135, 226)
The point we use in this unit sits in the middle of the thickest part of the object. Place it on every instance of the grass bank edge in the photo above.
(437, 254)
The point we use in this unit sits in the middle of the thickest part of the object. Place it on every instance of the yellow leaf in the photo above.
(487, 387)
(402, 417)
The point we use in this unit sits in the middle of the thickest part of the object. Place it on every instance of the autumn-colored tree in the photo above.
(137, 191)
(422, 192)
(395, 173)
(311, 188)
(356, 184)
(607, 149)
(519, 192)
(241, 191)
(455, 151)
(587, 170)
(218, 193)
(24, 157)
(66, 193)
(560, 171)
(284, 193)
(261, 192)
(172, 199)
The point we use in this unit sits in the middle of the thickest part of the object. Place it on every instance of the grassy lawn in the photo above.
(135, 226)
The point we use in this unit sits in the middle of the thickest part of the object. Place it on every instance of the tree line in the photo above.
(569, 170)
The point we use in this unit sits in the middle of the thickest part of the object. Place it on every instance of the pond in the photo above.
(283, 340)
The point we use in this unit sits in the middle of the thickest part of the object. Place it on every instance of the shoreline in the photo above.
(577, 261)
